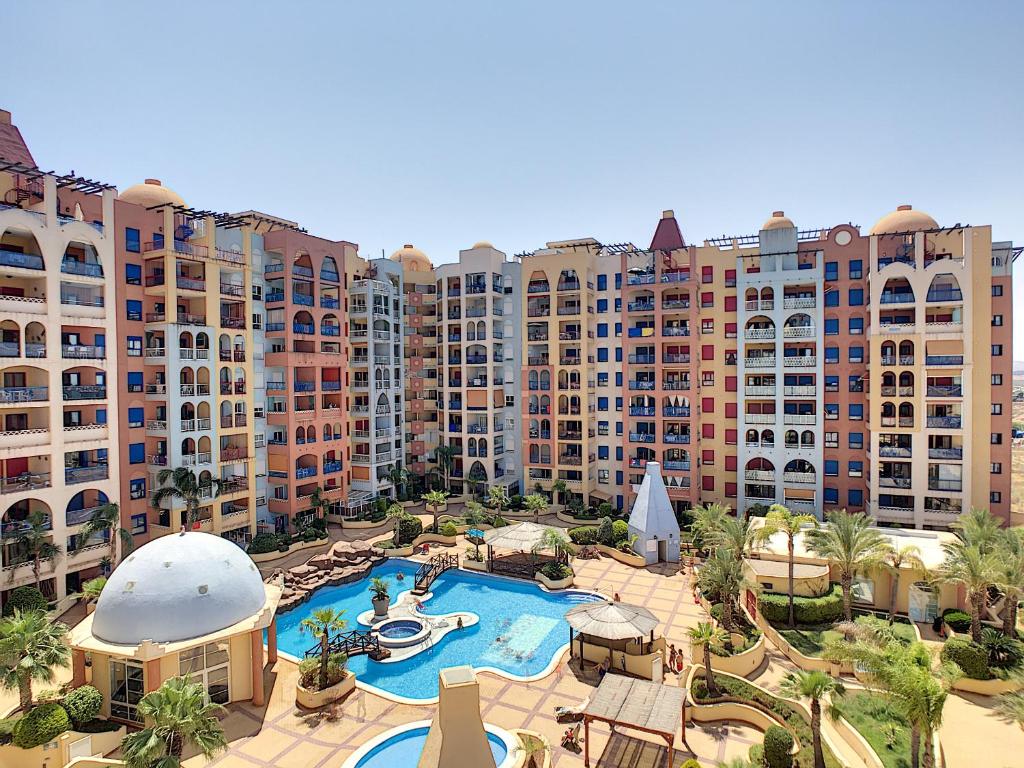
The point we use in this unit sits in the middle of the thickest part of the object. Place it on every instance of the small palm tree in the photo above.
(444, 455)
(31, 647)
(1010, 576)
(497, 498)
(968, 566)
(179, 714)
(709, 636)
(182, 483)
(813, 686)
(980, 528)
(435, 501)
(397, 513)
(93, 588)
(737, 535)
(321, 623)
(399, 476)
(317, 502)
(781, 520)
(721, 579)
(537, 504)
(852, 545)
(707, 520)
(34, 540)
(560, 488)
(559, 544)
(896, 558)
(534, 748)
(474, 514)
(1011, 707)
(107, 519)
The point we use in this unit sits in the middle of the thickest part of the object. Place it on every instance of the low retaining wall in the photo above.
(316, 699)
(423, 538)
(554, 584)
(363, 524)
(987, 687)
(640, 665)
(473, 565)
(806, 663)
(43, 756)
(740, 664)
(626, 558)
(269, 557)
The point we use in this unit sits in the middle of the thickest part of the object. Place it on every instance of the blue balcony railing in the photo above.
(18, 259)
(304, 328)
(303, 472)
(72, 267)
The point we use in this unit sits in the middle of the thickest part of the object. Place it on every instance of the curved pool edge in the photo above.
(510, 740)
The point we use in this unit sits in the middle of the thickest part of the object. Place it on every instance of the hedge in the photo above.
(827, 609)
(584, 535)
(7, 730)
(83, 704)
(42, 724)
(620, 531)
(971, 657)
(408, 529)
(262, 543)
(957, 620)
(778, 746)
(26, 599)
(449, 529)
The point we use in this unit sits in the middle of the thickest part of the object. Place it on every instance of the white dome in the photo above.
(178, 587)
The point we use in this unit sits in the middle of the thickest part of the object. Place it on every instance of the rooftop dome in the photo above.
(151, 193)
(413, 258)
(904, 219)
(178, 587)
(482, 244)
(778, 220)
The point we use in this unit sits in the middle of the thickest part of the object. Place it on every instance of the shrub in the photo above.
(971, 657)
(309, 534)
(556, 571)
(25, 599)
(1005, 654)
(449, 529)
(606, 532)
(620, 531)
(957, 620)
(498, 522)
(309, 671)
(409, 528)
(97, 726)
(827, 609)
(83, 704)
(691, 763)
(625, 545)
(7, 730)
(778, 744)
(585, 534)
(516, 502)
(42, 724)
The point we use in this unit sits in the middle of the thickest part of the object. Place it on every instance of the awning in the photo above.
(640, 704)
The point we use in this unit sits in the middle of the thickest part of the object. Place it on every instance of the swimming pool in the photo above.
(529, 622)
(402, 747)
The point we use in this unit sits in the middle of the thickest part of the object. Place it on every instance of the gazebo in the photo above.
(639, 704)
(603, 629)
(522, 539)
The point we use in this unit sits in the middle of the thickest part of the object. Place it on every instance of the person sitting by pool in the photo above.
(602, 670)
(458, 624)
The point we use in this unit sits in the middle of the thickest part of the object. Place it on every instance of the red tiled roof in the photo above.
(667, 237)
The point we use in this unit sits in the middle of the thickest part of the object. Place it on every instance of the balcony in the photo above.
(83, 352)
(894, 452)
(799, 361)
(73, 267)
(303, 329)
(85, 392)
(24, 438)
(332, 467)
(799, 418)
(673, 439)
(799, 331)
(156, 425)
(647, 278)
(232, 322)
(759, 333)
(328, 302)
(641, 385)
(761, 391)
(642, 359)
(675, 385)
(897, 298)
(673, 466)
(636, 410)
(944, 422)
(799, 302)
(20, 260)
(956, 360)
(760, 306)
(641, 437)
(302, 299)
(73, 475)
(894, 482)
(759, 475)
(953, 454)
(231, 289)
(676, 411)
(675, 304)
(759, 362)
(939, 484)
(675, 358)
(640, 306)
(759, 418)
(24, 394)
(943, 295)
(675, 330)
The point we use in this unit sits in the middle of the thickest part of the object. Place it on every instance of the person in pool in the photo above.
(400, 576)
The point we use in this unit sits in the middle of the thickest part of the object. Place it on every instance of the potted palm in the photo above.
(323, 678)
(381, 596)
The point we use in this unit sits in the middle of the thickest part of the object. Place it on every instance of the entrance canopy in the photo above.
(639, 704)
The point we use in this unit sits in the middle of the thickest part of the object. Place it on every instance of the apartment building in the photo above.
(58, 448)
(478, 364)
(421, 348)
(306, 361)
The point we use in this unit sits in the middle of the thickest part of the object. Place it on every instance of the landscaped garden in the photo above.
(812, 640)
(882, 725)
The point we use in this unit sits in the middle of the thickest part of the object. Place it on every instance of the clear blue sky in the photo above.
(443, 123)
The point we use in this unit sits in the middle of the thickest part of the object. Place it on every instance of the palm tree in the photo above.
(182, 483)
(31, 647)
(737, 535)
(398, 476)
(852, 545)
(1011, 707)
(708, 635)
(107, 518)
(560, 545)
(397, 513)
(980, 528)
(93, 588)
(781, 520)
(444, 455)
(721, 579)
(922, 697)
(435, 501)
(1010, 577)
(560, 488)
(179, 714)
(474, 514)
(975, 570)
(317, 502)
(706, 520)
(815, 686)
(537, 504)
(477, 478)
(497, 498)
(34, 540)
(895, 558)
(534, 748)
(321, 623)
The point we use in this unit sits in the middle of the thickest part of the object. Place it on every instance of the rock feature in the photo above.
(345, 562)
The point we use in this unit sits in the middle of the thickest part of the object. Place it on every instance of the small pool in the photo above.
(402, 747)
(521, 627)
(399, 629)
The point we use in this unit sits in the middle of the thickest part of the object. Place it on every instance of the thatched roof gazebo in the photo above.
(523, 540)
(620, 627)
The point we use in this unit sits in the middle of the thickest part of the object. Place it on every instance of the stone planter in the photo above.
(365, 524)
(316, 699)
(269, 557)
(554, 584)
(380, 607)
(396, 552)
(435, 538)
(627, 558)
(474, 565)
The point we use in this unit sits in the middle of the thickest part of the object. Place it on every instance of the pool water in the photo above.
(396, 630)
(521, 626)
(404, 749)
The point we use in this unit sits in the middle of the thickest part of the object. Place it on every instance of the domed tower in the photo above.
(904, 219)
(412, 258)
(150, 193)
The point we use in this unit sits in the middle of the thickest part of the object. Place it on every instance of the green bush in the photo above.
(83, 704)
(957, 620)
(7, 730)
(585, 534)
(97, 726)
(778, 744)
(516, 502)
(971, 657)
(42, 724)
(262, 543)
(827, 609)
(409, 528)
(620, 531)
(449, 529)
(691, 763)
(606, 532)
(556, 571)
(756, 755)
(498, 522)
(25, 599)
(309, 671)
(309, 534)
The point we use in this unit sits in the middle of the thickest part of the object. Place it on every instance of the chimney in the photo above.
(5, 117)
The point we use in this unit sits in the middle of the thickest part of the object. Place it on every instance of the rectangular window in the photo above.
(831, 468)
(855, 498)
(136, 417)
(996, 468)
(831, 439)
(602, 379)
(856, 468)
(707, 431)
(618, 280)
(707, 352)
(856, 269)
(618, 378)
(831, 383)
(137, 488)
(997, 290)
(995, 438)
(730, 303)
(707, 404)
(602, 354)
(137, 453)
(997, 379)
(730, 410)
(856, 354)
(134, 309)
(856, 298)
(618, 305)
(134, 381)
(132, 242)
(138, 524)
(997, 409)
(707, 300)
(707, 326)
(997, 320)
(730, 278)
(731, 436)
(730, 330)
(831, 354)
(708, 457)
(133, 274)
(602, 282)
(995, 497)
(707, 274)
(831, 497)
(832, 298)
(730, 463)
(730, 490)
(831, 270)
(602, 403)
(602, 305)
(618, 354)
(831, 326)
(831, 411)
(707, 482)
(602, 330)
(602, 451)
(134, 346)
(856, 441)
(730, 384)
(997, 350)
(856, 383)
(857, 326)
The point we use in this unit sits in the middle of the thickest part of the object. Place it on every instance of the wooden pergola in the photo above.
(639, 704)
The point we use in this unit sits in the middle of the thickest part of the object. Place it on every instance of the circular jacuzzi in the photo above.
(399, 633)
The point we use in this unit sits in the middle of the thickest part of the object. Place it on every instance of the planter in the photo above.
(380, 607)
(58, 751)
(396, 552)
(363, 524)
(269, 557)
(474, 565)
(739, 664)
(435, 538)
(627, 558)
(565, 517)
(553, 584)
(316, 699)
(993, 687)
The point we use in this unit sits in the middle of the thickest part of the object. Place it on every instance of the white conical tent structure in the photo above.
(653, 521)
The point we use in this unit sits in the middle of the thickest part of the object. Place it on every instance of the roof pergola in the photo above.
(518, 536)
(639, 704)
